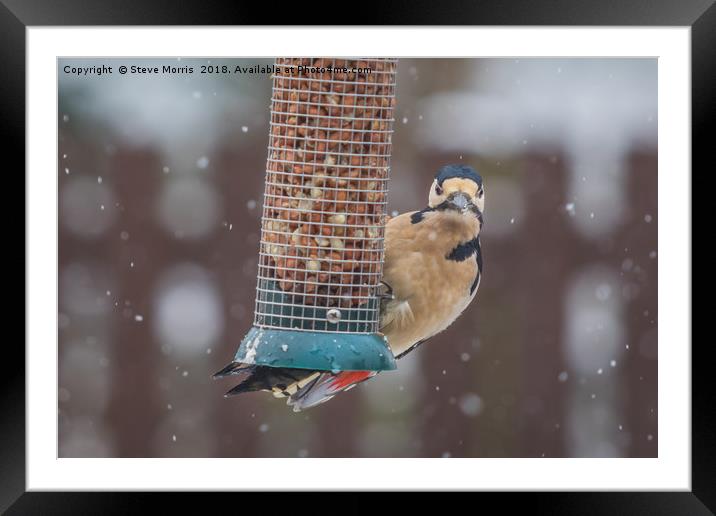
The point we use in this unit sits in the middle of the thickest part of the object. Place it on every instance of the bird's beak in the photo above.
(460, 201)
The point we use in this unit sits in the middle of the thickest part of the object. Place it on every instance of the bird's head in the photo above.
(458, 188)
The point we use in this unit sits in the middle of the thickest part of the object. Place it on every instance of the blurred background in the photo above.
(160, 192)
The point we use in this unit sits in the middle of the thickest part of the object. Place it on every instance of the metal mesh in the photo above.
(324, 212)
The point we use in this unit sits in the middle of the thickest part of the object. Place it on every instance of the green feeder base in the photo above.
(289, 334)
(321, 351)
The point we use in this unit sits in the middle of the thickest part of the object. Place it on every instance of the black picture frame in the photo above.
(17, 15)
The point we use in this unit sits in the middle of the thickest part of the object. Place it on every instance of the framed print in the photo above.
(461, 263)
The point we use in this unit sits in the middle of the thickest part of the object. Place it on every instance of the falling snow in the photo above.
(471, 404)
(603, 292)
(202, 162)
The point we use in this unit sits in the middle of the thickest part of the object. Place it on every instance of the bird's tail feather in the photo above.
(233, 368)
(303, 388)
(279, 380)
(324, 386)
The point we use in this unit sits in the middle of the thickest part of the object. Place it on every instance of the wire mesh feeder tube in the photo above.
(324, 214)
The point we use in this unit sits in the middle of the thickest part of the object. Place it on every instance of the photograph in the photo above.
(357, 257)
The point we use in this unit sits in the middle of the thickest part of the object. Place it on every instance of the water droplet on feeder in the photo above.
(333, 316)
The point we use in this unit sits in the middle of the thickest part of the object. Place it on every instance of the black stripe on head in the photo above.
(478, 255)
(475, 282)
(465, 250)
(419, 215)
(461, 171)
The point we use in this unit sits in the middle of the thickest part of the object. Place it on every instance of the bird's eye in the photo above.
(438, 190)
(480, 193)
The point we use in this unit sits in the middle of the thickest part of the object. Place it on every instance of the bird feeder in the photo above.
(324, 214)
